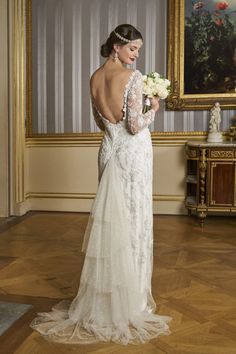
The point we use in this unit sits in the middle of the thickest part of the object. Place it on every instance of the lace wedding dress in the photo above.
(114, 300)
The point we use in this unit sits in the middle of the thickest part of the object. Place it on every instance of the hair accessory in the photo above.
(122, 38)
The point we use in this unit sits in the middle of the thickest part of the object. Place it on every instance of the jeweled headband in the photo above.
(125, 39)
(122, 38)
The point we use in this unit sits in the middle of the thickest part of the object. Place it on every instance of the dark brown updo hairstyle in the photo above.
(126, 31)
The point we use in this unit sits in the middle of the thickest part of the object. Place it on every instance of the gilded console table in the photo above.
(210, 178)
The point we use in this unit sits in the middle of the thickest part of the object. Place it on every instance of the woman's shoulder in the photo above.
(95, 79)
(135, 72)
(123, 75)
(138, 73)
(95, 74)
(132, 75)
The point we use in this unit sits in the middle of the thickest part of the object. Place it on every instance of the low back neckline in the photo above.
(124, 103)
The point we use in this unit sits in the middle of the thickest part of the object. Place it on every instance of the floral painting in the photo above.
(210, 47)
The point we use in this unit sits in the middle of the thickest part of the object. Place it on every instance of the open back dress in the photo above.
(114, 300)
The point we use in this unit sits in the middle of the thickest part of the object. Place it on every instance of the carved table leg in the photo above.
(202, 170)
(202, 216)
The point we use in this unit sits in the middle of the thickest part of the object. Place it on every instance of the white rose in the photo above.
(164, 94)
(159, 81)
(147, 90)
(156, 75)
(149, 81)
(167, 83)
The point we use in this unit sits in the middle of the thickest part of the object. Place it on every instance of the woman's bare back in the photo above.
(107, 87)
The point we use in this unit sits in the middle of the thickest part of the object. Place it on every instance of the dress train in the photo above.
(109, 305)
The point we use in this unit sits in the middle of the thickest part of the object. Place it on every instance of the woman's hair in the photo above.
(127, 31)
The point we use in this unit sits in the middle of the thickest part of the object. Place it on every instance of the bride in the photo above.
(114, 300)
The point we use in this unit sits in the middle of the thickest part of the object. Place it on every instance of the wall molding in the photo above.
(82, 202)
(91, 196)
(4, 124)
(94, 139)
(60, 195)
(17, 103)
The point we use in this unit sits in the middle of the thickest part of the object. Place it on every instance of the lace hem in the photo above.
(56, 326)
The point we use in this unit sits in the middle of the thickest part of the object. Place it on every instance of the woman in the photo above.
(114, 301)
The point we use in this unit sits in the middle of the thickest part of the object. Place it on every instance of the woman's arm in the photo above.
(136, 120)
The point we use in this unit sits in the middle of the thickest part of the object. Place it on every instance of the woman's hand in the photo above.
(155, 103)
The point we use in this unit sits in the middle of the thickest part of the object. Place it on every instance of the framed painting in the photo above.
(202, 54)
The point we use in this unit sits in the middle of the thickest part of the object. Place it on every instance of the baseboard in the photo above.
(22, 208)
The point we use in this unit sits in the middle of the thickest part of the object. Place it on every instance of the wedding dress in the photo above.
(114, 300)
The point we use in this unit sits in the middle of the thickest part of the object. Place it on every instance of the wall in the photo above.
(63, 176)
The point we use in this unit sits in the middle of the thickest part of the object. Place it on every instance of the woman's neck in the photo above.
(111, 62)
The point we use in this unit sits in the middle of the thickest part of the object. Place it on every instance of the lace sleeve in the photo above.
(136, 120)
(97, 117)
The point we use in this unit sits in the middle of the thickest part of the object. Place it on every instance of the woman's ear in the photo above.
(116, 47)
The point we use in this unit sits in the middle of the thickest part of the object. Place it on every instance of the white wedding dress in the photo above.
(114, 300)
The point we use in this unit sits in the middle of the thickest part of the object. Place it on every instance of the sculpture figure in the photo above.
(215, 136)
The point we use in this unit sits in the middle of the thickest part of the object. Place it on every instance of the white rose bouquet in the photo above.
(154, 85)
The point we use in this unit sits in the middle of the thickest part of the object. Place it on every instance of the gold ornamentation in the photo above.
(235, 183)
(78, 136)
(28, 6)
(191, 152)
(94, 139)
(202, 170)
(17, 70)
(222, 154)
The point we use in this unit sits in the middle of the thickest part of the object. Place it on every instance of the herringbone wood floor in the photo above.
(194, 281)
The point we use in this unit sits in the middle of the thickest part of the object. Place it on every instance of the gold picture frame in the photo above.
(179, 99)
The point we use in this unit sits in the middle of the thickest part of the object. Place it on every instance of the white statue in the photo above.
(215, 136)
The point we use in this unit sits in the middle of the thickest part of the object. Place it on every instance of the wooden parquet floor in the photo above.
(194, 281)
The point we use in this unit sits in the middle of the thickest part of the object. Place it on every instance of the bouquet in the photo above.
(154, 85)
